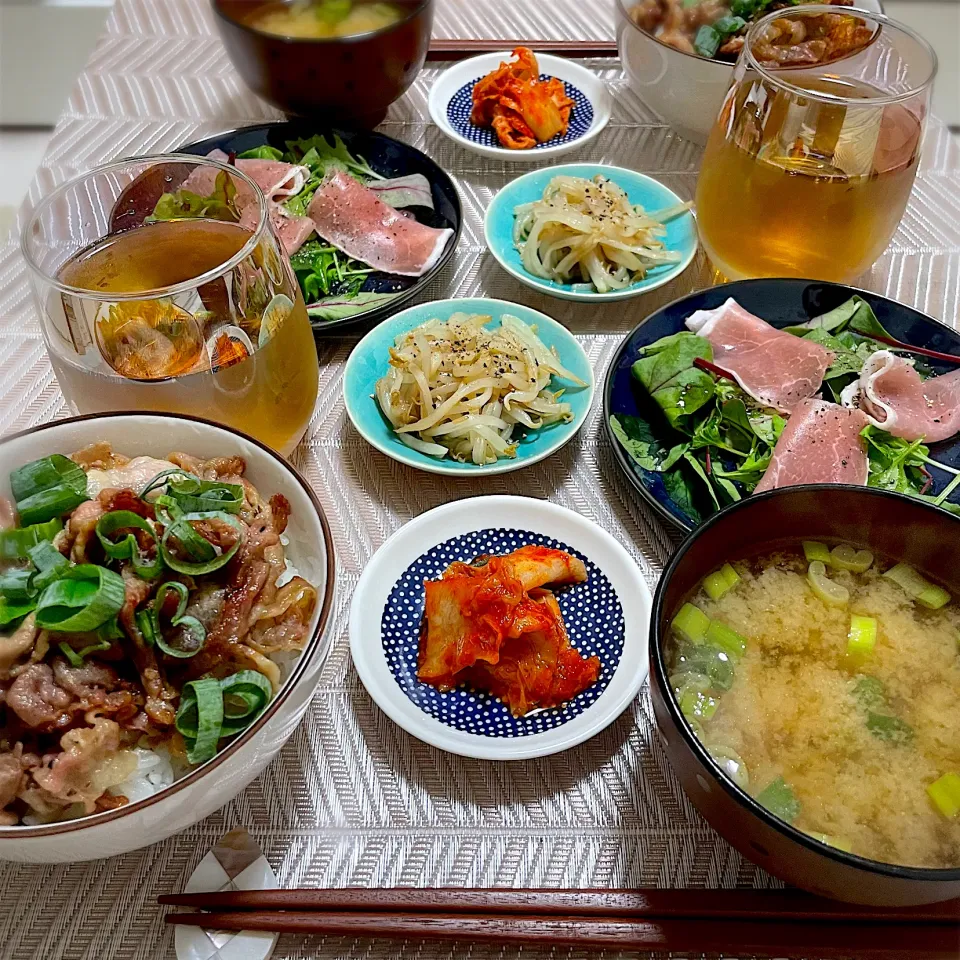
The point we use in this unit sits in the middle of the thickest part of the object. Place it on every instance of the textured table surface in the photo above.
(352, 799)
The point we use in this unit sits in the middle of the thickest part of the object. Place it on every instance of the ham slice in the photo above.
(777, 369)
(821, 443)
(277, 180)
(894, 398)
(355, 220)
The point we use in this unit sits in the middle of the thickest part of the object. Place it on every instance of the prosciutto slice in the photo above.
(894, 398)
(277, 180)
(355, 220)
(821, 443)
(777, 369)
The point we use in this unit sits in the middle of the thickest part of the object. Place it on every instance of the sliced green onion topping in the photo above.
(75, 659)
(718, 583)
(195, 496)
(918, 587)
(697, 705)
(192, 629)
(833, 594)
(870, 691)
(846, 557)
(161, 480)
(731, 763)
(85, 597)
(245, 694)
(50, 564)
(691, 623)
(128, 547)
(862, 636)
(10, 613)
(780, 800)
(16, 544)
(33, 478)
(200, 718)
(945, 794)
(814, 550)
(17, 586)
(889, 729)
(212, 709)
(727, 639)
(48, 488)
(205, 558)
(838, 843)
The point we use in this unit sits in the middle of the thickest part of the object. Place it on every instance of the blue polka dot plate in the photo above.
(652, 195)
(607, 616)
(451, 100)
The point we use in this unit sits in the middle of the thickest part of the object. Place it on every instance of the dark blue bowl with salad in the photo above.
(369, 283)
(691, 440)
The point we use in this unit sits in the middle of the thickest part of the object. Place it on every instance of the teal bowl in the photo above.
(641, 189)
(369, 361)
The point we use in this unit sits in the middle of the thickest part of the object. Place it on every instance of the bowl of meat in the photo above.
(679, 55)
(165, 593)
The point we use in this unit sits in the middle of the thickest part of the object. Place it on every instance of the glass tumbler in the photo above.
(161, 285)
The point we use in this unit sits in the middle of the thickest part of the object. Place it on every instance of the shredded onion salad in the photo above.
(459, 389)
(588, 231)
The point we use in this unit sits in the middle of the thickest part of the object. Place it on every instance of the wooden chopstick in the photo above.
(461, 49)
(776, 905)
(865, 941)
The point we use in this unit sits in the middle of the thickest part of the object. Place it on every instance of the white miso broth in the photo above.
(831, 695)
(323, 19)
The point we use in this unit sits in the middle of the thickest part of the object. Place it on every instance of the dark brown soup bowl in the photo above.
(891, 525)
(348, 81)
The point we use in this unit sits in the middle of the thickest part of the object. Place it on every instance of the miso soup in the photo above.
(826, 683)
(323, 19)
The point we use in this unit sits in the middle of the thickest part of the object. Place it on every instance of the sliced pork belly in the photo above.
(355, 220)
(891, 393)
(777, 369)
(821, 443)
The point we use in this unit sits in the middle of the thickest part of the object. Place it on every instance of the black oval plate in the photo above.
(781, 302)
(390, 158)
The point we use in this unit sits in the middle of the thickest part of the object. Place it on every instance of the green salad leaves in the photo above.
(710, 442)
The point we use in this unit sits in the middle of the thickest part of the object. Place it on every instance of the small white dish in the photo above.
(451, 100)
(608, 615)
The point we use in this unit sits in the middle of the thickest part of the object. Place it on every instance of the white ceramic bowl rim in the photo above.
(79, 823)
(728, 65)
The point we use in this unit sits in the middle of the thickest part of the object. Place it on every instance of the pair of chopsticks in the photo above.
(461, 49)
(777, 923)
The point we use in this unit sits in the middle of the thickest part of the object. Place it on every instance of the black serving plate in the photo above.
(781, 302)
(390, 158)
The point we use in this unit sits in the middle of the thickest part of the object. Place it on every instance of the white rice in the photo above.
(155, 772)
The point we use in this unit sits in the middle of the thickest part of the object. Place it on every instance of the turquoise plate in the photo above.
(369, 360)
(649, 193)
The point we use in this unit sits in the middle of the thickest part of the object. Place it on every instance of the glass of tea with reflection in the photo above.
(162, 286)
(810, 164)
